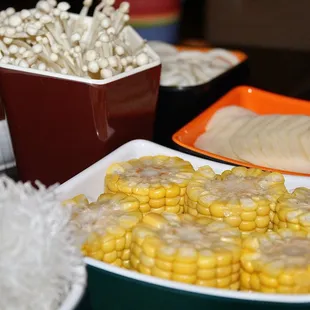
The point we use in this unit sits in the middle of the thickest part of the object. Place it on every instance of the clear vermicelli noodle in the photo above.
(39, 260)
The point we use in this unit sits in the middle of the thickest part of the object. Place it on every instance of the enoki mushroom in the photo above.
(49, 38)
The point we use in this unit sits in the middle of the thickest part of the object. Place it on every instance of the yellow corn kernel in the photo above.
(79, 200)
(293, 210)
(158, 182)
(107, 225)
(242, 197)
(276, 262)
(187, 249)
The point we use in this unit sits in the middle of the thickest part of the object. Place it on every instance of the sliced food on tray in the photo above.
(278, 141)
(240, 229)
(185, 68)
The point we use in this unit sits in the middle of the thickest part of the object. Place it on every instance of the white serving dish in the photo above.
(91, 183)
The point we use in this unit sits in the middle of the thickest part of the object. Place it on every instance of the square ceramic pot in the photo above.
(61, 124)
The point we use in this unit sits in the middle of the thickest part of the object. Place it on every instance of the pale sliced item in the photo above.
(287, 153)
(300, 125)
(275, 157)
(277, 139)
(296, 161)
(305, 141)
(282, 135)
(220, 116)
(215, 136)
(241, 142)
(217, 140)
(255, 145)
(270, 144)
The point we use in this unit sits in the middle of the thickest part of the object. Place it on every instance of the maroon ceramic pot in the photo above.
(60, 125)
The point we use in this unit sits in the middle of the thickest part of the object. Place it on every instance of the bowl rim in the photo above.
(74, 297)
(201, 290)
(156, 62)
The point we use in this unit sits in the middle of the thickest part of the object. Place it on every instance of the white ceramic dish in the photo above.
(74, 297)
(91, 183)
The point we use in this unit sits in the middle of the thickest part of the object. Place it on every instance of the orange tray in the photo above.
(256, 100)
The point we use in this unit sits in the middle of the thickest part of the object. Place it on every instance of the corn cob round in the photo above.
(188, 249)
(158, 182)
(293, 210)
(107, 226)
(77, 201)
(276, 262)
(242, 197)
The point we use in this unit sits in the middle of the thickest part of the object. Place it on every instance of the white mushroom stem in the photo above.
(86, 5)
(66, 64)
(64, 17)
(96, 21)
(120, 43)
(5, 60)
(100, 6)
(4, 49)
(70, 63)
(32, 60)
(22, 44)
(65, 41)
(119, 17)
(108, 10)
(98, 49)
(46, 46)
(56, 36)
(106, 45)
(122, 24)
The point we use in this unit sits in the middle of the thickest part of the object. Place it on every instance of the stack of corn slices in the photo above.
(238, 230)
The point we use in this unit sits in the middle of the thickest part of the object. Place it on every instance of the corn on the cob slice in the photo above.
(276, 262)
(293, 210)
(188, 249)
(79, 200)
(159, 182)
(107, 226)
(242, 197)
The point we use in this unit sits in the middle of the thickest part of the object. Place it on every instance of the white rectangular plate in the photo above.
(90, 182)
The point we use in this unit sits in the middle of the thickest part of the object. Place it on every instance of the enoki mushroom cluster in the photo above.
(49, 38)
